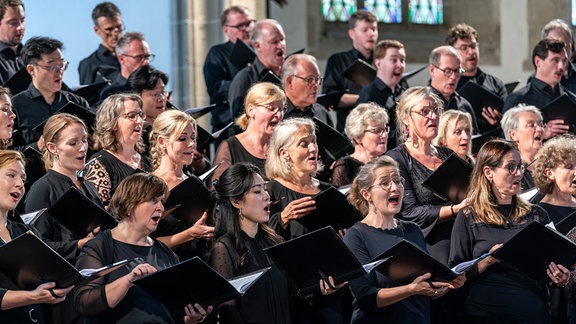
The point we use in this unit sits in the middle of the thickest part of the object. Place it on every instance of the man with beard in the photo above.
(445, 71)
(390, 61)
(12, 27)
(44, 97)
(103, 64)
(464, 38)
(269, 41)
(363, 31)
(550, 59)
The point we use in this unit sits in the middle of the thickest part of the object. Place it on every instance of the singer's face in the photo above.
(12, 26)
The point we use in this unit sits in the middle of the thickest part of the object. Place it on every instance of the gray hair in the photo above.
(510, 119)
(262, 25)
(292, 64)
(128, 37)
(363, 116)
(440, 51)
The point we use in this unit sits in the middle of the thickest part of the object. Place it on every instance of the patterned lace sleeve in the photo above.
(340, 174)
(97, 174)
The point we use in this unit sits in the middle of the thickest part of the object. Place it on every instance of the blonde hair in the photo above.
(169, 124)
(554, 153)
(262, 93)
(407, 101)
(7, 156)
(107, 119)
(54, 126)
(448, 117)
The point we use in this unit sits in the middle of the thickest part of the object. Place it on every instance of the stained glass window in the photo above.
(338, 10)
(425, 12)
(386, 11)
(573, 12)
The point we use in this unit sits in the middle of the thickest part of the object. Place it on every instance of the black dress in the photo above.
(268, 300)
(137, 306)
(344, 170)
(24, 314)
(500, 291)
(231, 151)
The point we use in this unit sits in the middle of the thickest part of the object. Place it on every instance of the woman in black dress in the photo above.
(498, 293)
(455, 132)
(242, 211)
(264, 107)
(367, 128)
(137, 204)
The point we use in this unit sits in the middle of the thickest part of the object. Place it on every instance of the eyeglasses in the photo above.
(465, 48)
(533, 124)
(113, 29)
(512, 168)
(311, 80)
(448, 72)
(54, 68)
(133, 115)
(381, 131)
(275, 109)
(139, 58)
(159, 95)
(243, 25)
(386, 184)
(428, 112)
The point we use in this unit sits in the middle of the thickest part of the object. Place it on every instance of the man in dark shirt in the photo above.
(550, 59)
(218, 69)
(445, 71)
(269, 41)
(301, 80)
(464, 38)
(102, 64)
(559, 29)
(44, 97)
(12, 27)
(363, 30)
(390, 61)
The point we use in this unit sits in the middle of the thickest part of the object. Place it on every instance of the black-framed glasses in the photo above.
(448, 71)
(113, 29)
(139, 58)
(381, 131)
(512, 168)
(311, 80)
(133, 115)
(428, 112)
(386, 184)
(242, 26)
(54, 68)
(275, 109)
(466, 47)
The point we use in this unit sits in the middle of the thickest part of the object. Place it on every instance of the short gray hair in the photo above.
(363, 116)
(123, 42)
(261, 25)
(292, 64)
(510, 119)
(440, 51)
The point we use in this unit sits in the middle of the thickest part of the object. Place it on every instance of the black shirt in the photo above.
(102, 63)
(537, 93)
(335, 81)
(314, 110)
(458, 102)
(218, 74)
(10, 62)
(31, 109)
(486, 80)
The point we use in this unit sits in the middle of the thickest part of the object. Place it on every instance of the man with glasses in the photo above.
(44, 97)
(218, 69)
(301, 80)
(103, 64)
(12, 27)
(550, 59)
(133, 52)
(445, 71)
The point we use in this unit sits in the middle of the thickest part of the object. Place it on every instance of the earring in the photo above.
(240, 214)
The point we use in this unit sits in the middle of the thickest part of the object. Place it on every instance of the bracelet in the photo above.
(452, 210)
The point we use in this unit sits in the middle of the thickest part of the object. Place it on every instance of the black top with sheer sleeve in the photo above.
(367, 243)
(499, 290)
(556, 213)
(231, 151)
(137, 306)
(344, 170)
(265, 302)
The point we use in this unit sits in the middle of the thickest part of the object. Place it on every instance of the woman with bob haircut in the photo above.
(455, 133)
(137, 204)
(367, 128)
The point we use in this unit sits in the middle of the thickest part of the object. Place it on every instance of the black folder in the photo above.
(566, 224)
(194, 199)
(71, 108)
(332, 209)
(204, 138)
(510, 86)
(300, 51)
(19, 81)
(80, 214)
(90, 92)
(330, 100)
(201, 111)
(479, 140)
(29, 262)
(360, 72)
(405, 262)
(480, 97)
(332, 144)
(242, 55)
(193, 281)
(314, 256)
(563, 108)
(269, 76)
(532, 249)
(451, 180)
